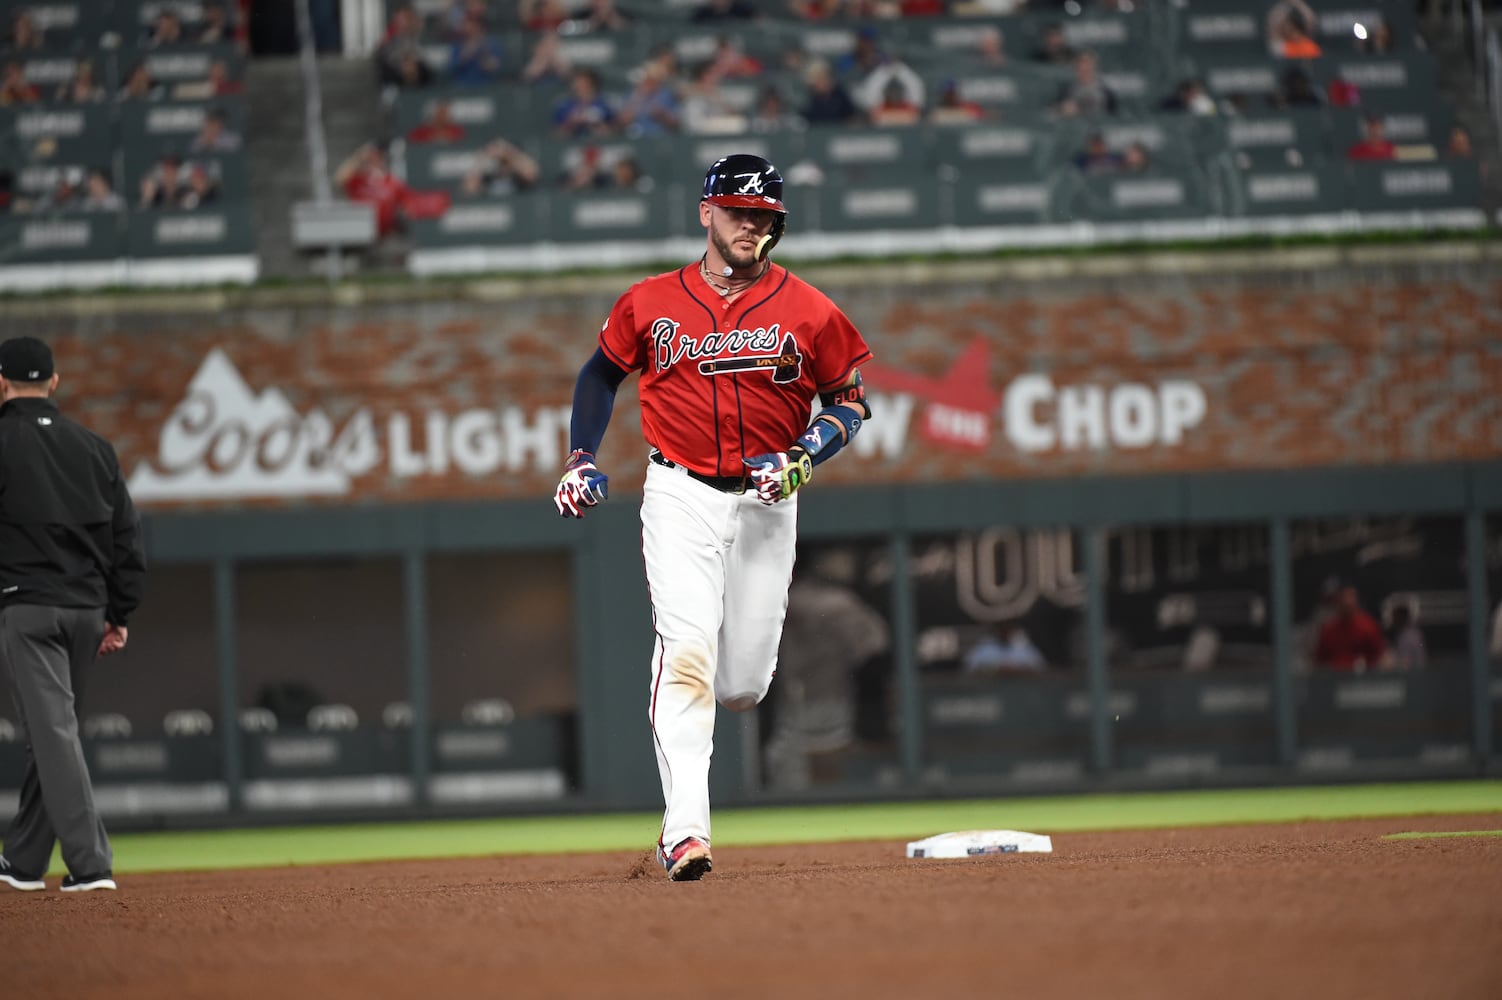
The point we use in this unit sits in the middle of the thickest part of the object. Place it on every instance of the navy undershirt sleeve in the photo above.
(594, 398)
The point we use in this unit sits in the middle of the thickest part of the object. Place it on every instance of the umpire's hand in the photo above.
(114, 639)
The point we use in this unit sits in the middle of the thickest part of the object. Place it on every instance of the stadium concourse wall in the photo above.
(348, 488)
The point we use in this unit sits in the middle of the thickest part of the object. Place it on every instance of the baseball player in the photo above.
(733, 351)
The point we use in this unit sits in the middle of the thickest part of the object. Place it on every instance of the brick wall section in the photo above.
(1357, 368)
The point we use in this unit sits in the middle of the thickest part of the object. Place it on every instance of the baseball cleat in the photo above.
(88, 883)
(688, 862)
(14, 879)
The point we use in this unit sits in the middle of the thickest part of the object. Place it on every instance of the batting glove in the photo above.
(778, 475)
(582, 485)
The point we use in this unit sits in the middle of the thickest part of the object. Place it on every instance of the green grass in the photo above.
(316, 845)
(1431, 835)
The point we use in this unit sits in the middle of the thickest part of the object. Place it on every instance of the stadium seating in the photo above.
(1008, 169)
(1264, 162)
(117, 89)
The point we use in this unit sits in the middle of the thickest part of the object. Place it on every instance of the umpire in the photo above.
(71, 571)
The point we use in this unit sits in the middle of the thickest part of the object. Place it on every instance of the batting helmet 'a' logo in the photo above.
(750, 183)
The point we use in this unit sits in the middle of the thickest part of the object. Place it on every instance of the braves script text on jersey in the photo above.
(721, 381)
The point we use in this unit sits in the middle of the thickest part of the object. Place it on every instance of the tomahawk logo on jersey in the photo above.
(724, 381)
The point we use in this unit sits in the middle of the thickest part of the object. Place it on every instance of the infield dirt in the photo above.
(1320, 910)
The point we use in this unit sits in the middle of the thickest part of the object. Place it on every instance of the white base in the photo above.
(974, 843)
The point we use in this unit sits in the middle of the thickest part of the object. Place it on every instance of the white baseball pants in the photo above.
(718, 568)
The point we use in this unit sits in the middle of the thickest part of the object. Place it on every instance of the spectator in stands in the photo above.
(399, 58)
(864, 58)
(1135, 159)
(1343, 93)
(990, 46)
(214, 136)
(217, 84)
(1295, 90)
(1374, 143)
(731, 61)
(706, 110)
(815, 10)
(501, 169)
(365, 177)
(7, 191)
(625, 175)
(542, 15)
(215, 27)
(872, 90)
(1406, 640)
(1189, 97)
(770, 113)
(438, 126)
(652, 107)
(584, 169)
(14, 88)
(460, 11)
(1054, 48)
(99, 193)
(663, 61)
(1374, 39)
(475, 59)
(1086, 95)
(725, 10)
(870, 10)
(139, 86)
(175, 184)
(66, 192)
(1352, 639)
(1293, 41)
(1098, 158)
(547, 64)
(895, 106)
(584, 111)
(952, 109)
(1458, 145)
(829, 103)
(24, 35)
(602, 15)
(1007, 648)
(82, 88)
(165, 30)
(1284, 11)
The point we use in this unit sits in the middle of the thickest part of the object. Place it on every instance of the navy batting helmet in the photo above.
(743, 180)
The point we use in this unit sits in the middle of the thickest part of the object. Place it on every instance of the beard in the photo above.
(736, 258)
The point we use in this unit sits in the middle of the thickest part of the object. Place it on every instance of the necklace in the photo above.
(727, 289)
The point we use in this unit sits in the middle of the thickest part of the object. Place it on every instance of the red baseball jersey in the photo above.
(722, 381)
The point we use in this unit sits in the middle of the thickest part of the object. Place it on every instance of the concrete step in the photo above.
(280, 167)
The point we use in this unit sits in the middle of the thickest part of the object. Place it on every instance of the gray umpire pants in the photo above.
(45, 654)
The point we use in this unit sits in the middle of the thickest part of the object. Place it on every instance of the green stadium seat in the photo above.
(1312, 189)
(515, 221)
(612, 216)
(1149, 196)
(214, 230)
(62, 238)
(897, 201)
(1419, 186)
(1009, 194)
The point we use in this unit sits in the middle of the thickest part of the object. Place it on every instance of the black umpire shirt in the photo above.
(69, 535)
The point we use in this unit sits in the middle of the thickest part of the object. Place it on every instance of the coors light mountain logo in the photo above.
(227, 441)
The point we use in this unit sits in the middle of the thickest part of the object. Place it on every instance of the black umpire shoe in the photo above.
(88, 883)
(14, 879)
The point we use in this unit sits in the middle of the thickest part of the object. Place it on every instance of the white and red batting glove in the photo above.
(778, 475)
(582, 485)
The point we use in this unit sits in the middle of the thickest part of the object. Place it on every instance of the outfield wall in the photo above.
(1153, 466)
